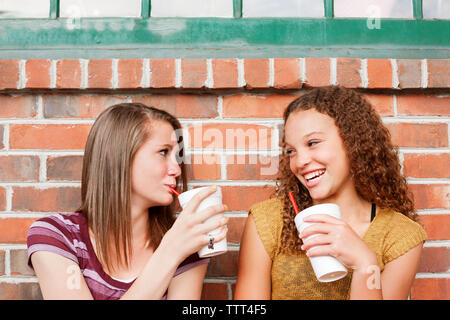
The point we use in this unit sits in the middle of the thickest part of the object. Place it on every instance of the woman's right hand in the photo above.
(189, 233)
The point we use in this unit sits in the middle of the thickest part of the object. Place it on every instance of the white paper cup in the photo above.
(326, 268)
(214, 199)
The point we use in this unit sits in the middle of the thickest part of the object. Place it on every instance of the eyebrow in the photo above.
(306, 136)
(312, 133)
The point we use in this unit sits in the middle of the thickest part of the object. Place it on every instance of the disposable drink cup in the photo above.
(214, 199)
(326, 268)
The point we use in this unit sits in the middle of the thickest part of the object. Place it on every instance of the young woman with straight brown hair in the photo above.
(124, 242)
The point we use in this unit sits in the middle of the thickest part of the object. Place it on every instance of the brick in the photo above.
(232, 196)
(438, 73)
(129, 73)
(428, 196)
(2, 199)
(62, 199)
(14, 230)
(78, 106)
(379, 72)
(214, 291)
(64, 168)
(256, 73)
(419, 135)
(317, 72)
(225, 73)
(193, 73)
(19, 263)
(38, 73)
(204, 167)
(435, 226)
(9, 74)
(224, 265)
(49, 136)
(423, 105)
(23, 106)
(2, 262)
(20, 291)
(2, 129)
(182, 105)
(162, 73)
(19, 168)
(68, 74)
(434, 259)
(430, 289)
(287, 73)
(348, 72)
(382, 103)
(427, 165)
(235, 229)
(230, 136)
(99, 74)
(256, 106)
(252, 167)
(409, 73)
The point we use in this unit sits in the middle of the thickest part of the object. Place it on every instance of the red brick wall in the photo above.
(48, 106)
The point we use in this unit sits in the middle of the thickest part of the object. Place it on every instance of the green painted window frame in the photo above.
(239, 37)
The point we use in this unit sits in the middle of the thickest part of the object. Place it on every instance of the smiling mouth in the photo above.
(312, 176)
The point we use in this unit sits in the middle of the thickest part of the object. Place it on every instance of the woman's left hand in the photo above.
(336, 238)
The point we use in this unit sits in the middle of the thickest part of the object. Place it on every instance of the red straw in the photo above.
(174, 191)
(291, 196)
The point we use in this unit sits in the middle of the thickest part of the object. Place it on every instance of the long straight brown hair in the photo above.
(118, 132)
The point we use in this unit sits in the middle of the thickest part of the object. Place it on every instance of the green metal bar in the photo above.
(146, 8)
(328, 8)
(237, 9)
(222, 37)
(418, 9)
(54, 9)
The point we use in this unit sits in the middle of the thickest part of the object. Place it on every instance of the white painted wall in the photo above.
(282, 8)
(24, 8)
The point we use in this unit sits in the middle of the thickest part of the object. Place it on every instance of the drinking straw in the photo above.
(291, 196)
(174, 191)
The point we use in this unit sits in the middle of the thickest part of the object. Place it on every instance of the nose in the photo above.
(174, 168)
(300, 161)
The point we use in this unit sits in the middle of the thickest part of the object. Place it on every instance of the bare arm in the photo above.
(255, 265)
(188, 285)
(394, 283)
(398, 275)
(59, 277)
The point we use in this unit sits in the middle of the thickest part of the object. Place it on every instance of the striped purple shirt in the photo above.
(68, 236)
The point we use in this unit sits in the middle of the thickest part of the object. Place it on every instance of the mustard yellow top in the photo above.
(389, 235)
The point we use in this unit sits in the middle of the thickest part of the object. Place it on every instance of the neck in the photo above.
(353, 207)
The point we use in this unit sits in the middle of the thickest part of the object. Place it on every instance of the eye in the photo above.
(164, 152)
(312, 142)
(290, 152)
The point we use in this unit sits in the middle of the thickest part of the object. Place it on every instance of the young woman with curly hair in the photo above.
(335, 150)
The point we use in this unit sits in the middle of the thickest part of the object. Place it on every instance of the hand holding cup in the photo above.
(190, 231)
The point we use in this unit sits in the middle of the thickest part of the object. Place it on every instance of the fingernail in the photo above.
(214, 187)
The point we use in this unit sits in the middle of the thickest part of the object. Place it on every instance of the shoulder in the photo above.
(268, 218)
(271, 208)
(397, 223)
(59, 233)
(400, 233)
(268, 213)
(66, 225)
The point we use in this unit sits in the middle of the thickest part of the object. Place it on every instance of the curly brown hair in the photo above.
(374, 163)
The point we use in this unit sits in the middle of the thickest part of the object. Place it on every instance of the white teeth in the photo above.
(314, 174)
